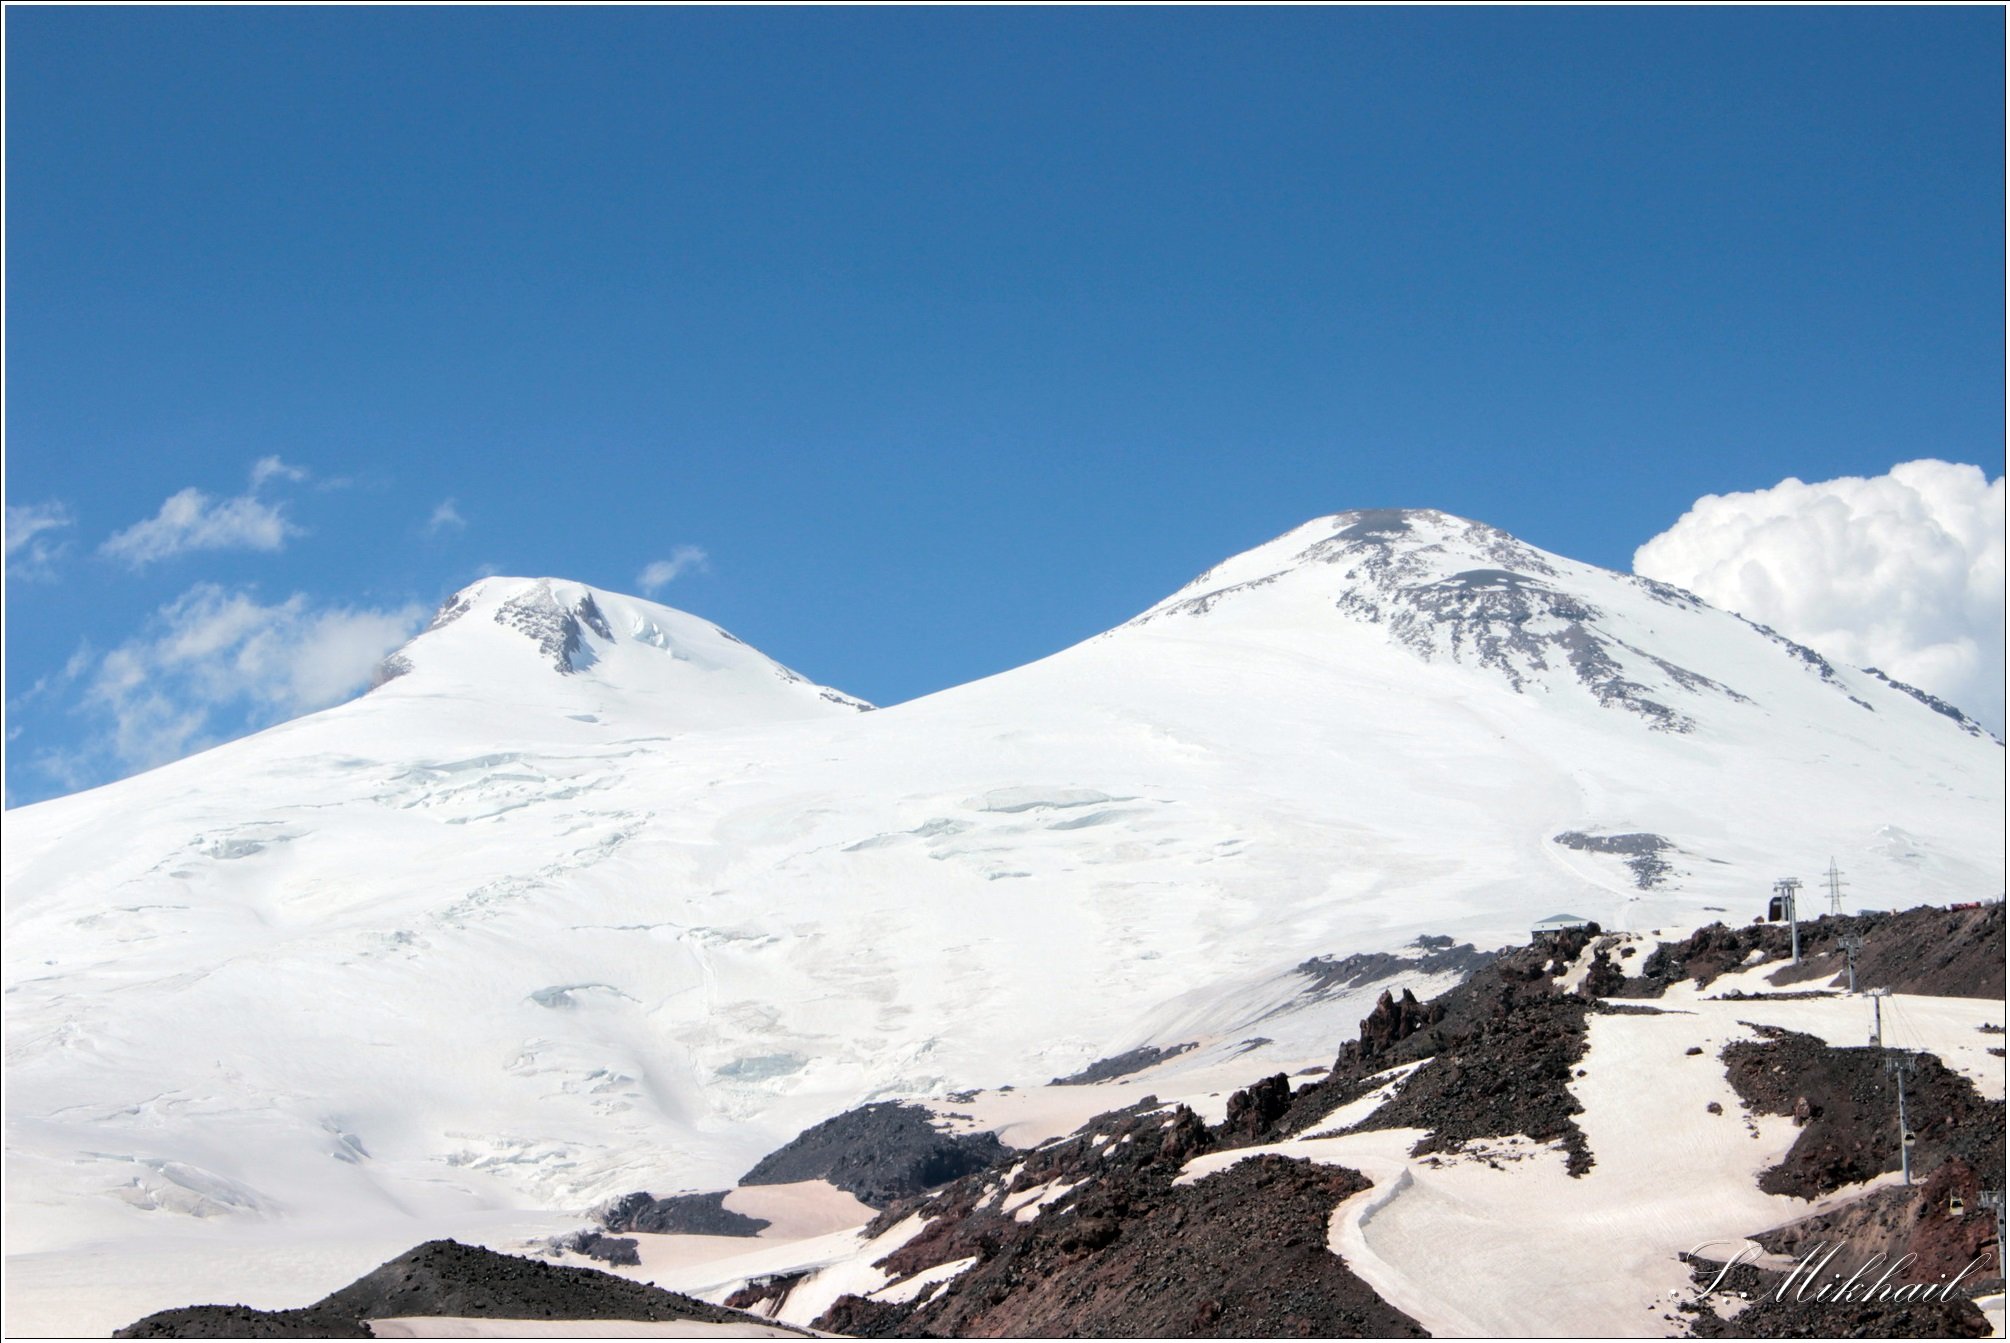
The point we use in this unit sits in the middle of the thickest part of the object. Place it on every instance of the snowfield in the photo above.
(590, 897)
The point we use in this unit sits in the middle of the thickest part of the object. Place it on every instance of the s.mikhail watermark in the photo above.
(1813, 1279)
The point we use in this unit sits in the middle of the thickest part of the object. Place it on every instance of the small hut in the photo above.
(1559, 923)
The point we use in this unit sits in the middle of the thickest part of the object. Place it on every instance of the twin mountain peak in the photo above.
(1428, 587)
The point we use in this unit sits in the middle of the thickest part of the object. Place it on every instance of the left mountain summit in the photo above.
(511, 637)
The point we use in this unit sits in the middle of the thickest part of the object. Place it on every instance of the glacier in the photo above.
(588, 896)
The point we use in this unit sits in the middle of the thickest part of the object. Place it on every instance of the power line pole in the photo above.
(1784, 888)
(1992, 1199)
(1851, 945)
(1901, 1067)
(1836, 883)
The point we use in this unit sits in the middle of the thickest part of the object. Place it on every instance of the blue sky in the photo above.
(949, 337)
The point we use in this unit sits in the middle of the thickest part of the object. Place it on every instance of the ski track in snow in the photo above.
(1496, 1239)
(1500, 1240)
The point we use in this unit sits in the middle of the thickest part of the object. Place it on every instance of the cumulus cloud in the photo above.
(658, 574)
(1902, 571)
(191, 519)
(215, 663)
(31, 546)
(446, 518)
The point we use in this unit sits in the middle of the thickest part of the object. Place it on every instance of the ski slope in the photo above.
(1495, 1239)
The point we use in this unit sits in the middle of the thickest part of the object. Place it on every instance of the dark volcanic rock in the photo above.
(1641, 852)
(1254, 1109)
(879, 1152)
(1390, 1022)
(1125, 1253)
(621, 1251)
(1330, 976)
(760, 1292)
(1121, 1065)
(1851, 1104)
(1604, 978)
(1897, 1222)
(1956, 953)
(443, 1278)
(679, 1215)
(1510, 1075)
(856, 1317)
(243, 1322)
(1502, 1048)
(1772, 1316)
(1121, 1251)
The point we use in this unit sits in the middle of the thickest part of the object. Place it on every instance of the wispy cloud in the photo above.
(659, 574)
(31, 547)
(192, 519)
(446, 518)
(49, 684)
(271, 468)
(1902, 571)
(215, 663)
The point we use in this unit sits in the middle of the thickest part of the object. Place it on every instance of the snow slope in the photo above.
(1495, 1239)
(590, 897)
(1541, 1253)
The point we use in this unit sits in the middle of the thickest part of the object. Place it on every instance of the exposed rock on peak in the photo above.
(556, 626)
(1938, 705)
(511, 637)
(1451, 590)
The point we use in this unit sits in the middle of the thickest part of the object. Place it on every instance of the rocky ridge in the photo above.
(1116, 1249)
(1509, 616)
(1041, 1241)
(1089, 1235)
(880, 1152)
(1930, 949)
(444, 1278)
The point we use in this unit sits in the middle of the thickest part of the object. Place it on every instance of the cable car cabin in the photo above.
(1776, 909)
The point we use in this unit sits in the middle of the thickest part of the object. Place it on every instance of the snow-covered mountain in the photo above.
(587, 896)
(545, 645)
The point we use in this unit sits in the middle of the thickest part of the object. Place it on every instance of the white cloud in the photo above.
(191, 519)
(659, 573)
(445, 518)
(48, 684)
(215, 663)
(30, 548)
(1903, 572)
(271, 468)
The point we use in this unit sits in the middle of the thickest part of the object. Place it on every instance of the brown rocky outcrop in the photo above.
(1931, 950)
(443, 1278)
